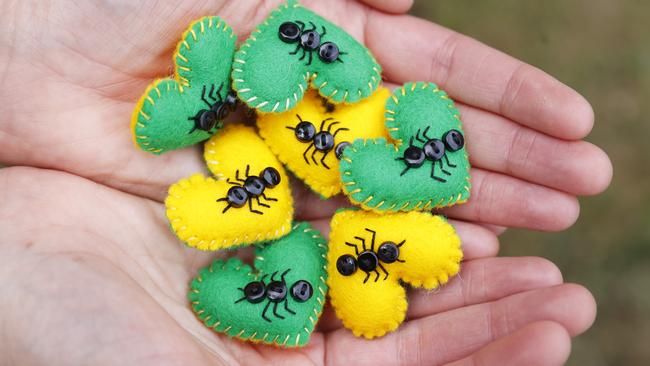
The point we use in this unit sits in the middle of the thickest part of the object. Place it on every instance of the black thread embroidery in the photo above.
(321, 141)
(218, 109)
(309, 40)
(434, 150)
(368, 260)
(252, 187)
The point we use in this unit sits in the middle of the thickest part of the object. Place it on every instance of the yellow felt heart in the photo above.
(198, 207)
(371, 301)
(346, 122)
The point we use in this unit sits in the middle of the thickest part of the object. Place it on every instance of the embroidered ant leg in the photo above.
(216, 98)
(275, 310)
(356, 249)
(286, 307)
(324, 32)
(268, 198)
(195, 124)
(363, 242)
(243, 298)
(374, 235)
(404, 171)
(260, 203)
(250, 208)
(304, 155)
(322, 161)
(301, 24)
(304, 53)
(248, 169)
(448, 163)
(443, 169)
(340, 129)
(383, 270)
(313, 27)
(399, 245)
(433, 173)
(227, 207)
(264, 312)
(311, 56)
(203, 97)
(367, 276)
(424, 133)
(296, 50)
(339, 58)
(417, 136)
(377, 274)
(313, 156)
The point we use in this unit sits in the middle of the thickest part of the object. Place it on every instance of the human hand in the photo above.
(71, 74)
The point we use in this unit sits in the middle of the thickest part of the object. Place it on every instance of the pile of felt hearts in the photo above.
(322, 113)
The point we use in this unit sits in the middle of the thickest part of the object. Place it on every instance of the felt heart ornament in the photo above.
(294, 47)
(309, 138)
(181, 111)
(278, 302)
(425, 166)
(370, 253)
(248, 201)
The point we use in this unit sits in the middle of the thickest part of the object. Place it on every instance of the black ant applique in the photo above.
(434, 150)
(276, 292)
(251, 188)
(218, 109)
(309, 40)
(368, 260)
(322, 141)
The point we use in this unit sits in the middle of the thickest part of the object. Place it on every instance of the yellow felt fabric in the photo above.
(197, 217)
(364, 119)
(431, 253)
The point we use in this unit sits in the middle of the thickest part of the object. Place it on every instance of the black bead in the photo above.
(289, 32)
(339, 148)
(305, 131)
(254, 186)
(207, 120)
(454, 140)
(271, 177)
(328, 52)
(276, 291)
(254, 292)
(368, 261)
(323, 141)
(346, 265)
(237, 196)
(310, 40)
(301, 291)
(231, 101)
(434, 149)
(222, 111)
(414, 157)
(388, 252)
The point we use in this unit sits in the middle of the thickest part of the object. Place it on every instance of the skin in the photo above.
(90, 273)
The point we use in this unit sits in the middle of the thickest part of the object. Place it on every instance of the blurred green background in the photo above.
(602, 49)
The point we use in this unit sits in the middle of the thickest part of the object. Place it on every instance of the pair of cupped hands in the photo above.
(91, 274)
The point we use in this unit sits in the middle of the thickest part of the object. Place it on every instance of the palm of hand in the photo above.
(95, 276)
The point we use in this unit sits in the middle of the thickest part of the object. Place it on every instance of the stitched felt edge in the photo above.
(326, 90)
(303, 336)
(180, 229)
(139, 119)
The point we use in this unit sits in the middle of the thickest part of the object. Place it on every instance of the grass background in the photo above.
(602, 49)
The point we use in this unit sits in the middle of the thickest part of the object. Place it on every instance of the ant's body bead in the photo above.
(254, 186)
(434, 149)
(368, 261)
(276, 291)
(255, 292)
(346, 265)
(301, 291)
(310, 40)
(323, 141)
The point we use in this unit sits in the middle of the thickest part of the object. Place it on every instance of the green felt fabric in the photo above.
(270, 79)
(203, 59)
(214, 291)
(371, 174)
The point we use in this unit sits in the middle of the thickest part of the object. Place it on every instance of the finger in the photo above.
(390, 6)
(484, 280)
(498, 144)
(477, 75)
(542, 343)
(502, 200)
(458, 333)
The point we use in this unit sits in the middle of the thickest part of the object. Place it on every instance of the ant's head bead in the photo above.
(346, 265)
(289, 32)
(276, 291)
(301, 291)
(388, 252)
(339, 148)
(414, 157)
(271, 177)
(310, 40)
(237, 196)
(454, 140)
(254, 291)
(323, 141)
(434, 149)
(254, 186)
(305, 131)
(328, 52)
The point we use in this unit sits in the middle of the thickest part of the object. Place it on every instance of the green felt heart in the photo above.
(168, 113)
(374, 174)
(218, 299)
(272, 75)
